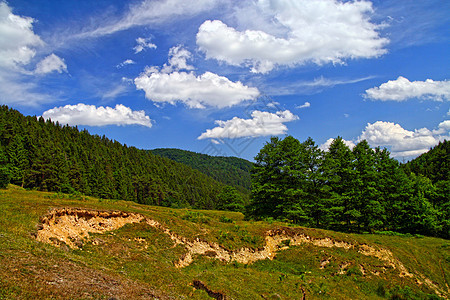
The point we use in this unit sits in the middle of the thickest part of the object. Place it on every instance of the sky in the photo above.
(221, 77)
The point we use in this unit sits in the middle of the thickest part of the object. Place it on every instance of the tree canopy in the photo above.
(359, 189)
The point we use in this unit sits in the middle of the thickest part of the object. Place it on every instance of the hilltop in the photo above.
(232, 171)
(55, 245)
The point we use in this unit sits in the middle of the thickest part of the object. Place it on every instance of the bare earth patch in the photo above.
(71, 226)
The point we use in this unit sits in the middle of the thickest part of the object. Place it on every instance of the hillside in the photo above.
(228, 170)
(434, 164)
(58, 246)
(47, 156)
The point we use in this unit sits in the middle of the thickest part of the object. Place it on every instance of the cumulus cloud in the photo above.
(170, 84)
(82, 114)
(125, 63)
(261, 124)
(51, 63)
(402, 143)
(305, 105)
(18, 44)
(17, 39)
(208, 89)
(321, 31)
(142, 44)
(325, 146)
(402, 89)
(178, 57)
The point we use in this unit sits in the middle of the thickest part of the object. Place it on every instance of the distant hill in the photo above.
(47, 156)
(228, 170)
(434, 164)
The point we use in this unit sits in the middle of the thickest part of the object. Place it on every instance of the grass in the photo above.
(137, 260)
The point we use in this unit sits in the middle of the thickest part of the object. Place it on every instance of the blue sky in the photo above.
(221, 77)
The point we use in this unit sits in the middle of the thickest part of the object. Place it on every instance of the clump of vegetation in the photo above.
(354, 190)
(196, 217)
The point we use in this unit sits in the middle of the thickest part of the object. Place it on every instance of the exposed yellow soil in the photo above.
(71, 226)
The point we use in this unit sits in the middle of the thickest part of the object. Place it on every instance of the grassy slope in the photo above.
(120, 266)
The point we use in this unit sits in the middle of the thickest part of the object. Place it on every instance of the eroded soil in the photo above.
(72, 226)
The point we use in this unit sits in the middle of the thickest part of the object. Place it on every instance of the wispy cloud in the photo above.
(310, 87)
(147, 12)
(142, 44)
(412, 23)
(125, 63)
(51, 63)
(305, 105)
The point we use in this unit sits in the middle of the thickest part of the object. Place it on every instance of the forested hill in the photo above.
(47, 156)
(228, 170)
(434, 164)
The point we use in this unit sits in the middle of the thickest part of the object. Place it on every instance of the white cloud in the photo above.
(402, 142)
(321, 31)
(261, 124)
(178, 57)
(82, 114)
(209, 89)
(305, 105)
(114, 92)
(402, 89)
(310, 87)
(325, 146)
(18, 44)
(125, 63)
(17, 39)
(51, 63)
(149, 12)
(16, 91)
(142, 44)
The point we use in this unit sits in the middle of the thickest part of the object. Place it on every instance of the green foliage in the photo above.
(42, 155)
(225, 219)
(5, 176)
(230, 199)
(196, 217)
(359, 190)
(228, 170)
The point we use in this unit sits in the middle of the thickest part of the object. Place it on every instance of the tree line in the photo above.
(47, 156)
(358, 190)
